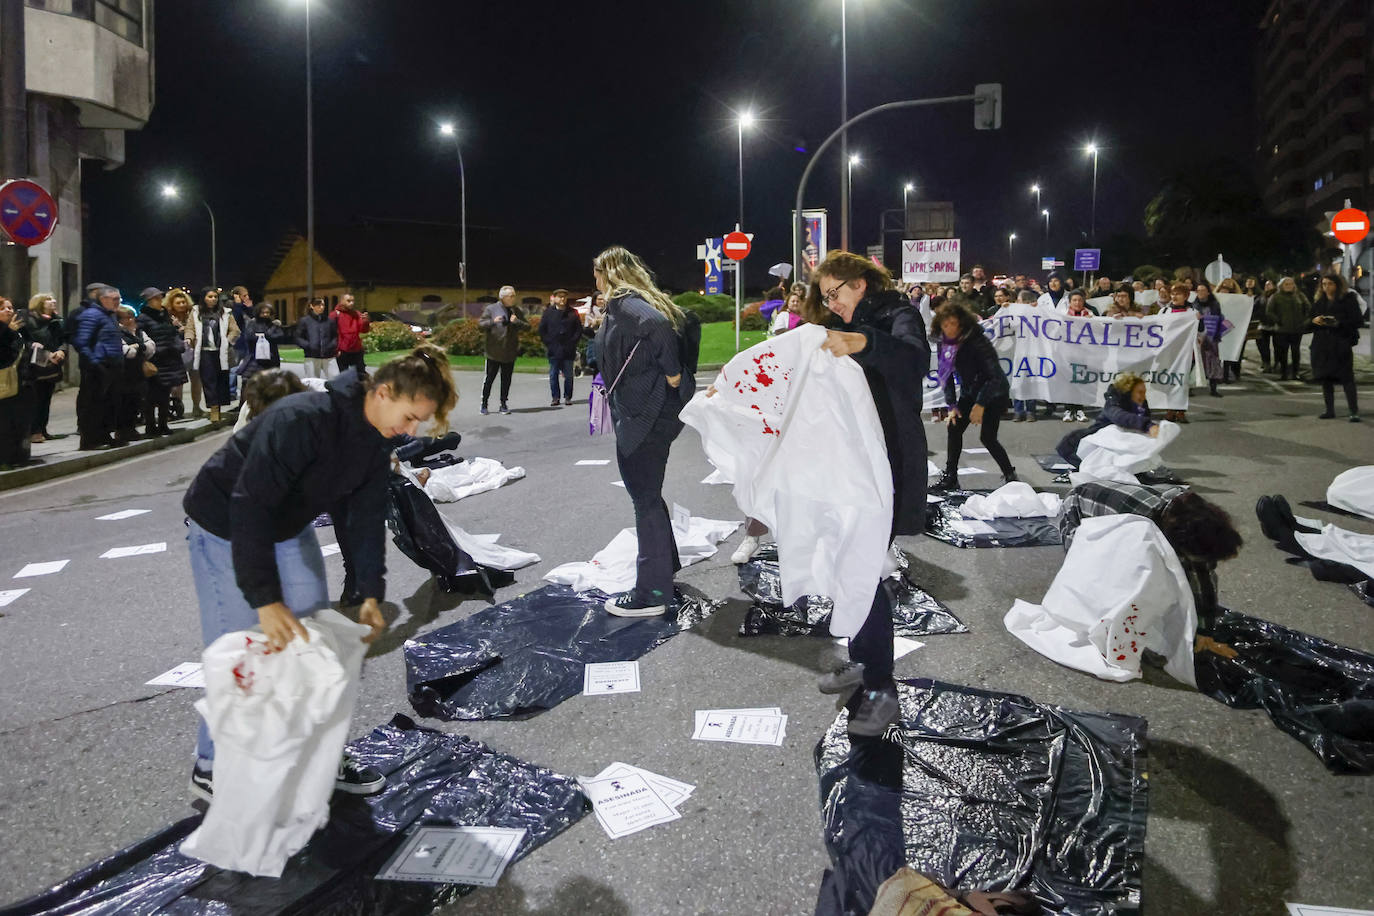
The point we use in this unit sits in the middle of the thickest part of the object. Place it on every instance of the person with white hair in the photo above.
(502, 321)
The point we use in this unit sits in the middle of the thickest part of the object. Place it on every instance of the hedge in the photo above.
(464, 338)
(709, 309)
(389, 335)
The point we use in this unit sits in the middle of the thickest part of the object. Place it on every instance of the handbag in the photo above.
(149, 370)
(600, 402)
(263, 349)
(9, 381)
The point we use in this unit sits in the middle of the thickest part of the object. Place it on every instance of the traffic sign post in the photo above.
(736, 246)
(28, 213)
(1350, 226)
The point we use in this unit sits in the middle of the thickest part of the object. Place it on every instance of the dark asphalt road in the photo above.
(1242, 816)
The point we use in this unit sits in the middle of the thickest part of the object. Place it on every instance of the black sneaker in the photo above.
(505, 409)
(877, 710)
(843, 679)
(484, 410)
(202, 783)
(948, 482)
(627, 605)
(356, 779)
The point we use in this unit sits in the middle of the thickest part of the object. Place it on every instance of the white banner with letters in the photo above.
(1050, 356)
(930, 260)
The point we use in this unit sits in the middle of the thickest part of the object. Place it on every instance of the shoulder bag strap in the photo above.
(623, 368)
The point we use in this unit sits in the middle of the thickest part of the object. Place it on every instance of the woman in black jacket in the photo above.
(641, 361)
(880, 330)
(1124, 406)
(46, 330)
(168, 345)
(983, 392)
(1335, 331)
(16, 400)
(263, 333)
(252, 506)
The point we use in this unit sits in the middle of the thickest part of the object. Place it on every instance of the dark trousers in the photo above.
(354, 360)
(557, 366)
(872, 645)
(132, 392)
(214, 380)
(643, 470)
(15, 414)
(505, 369)
(992, 418)
(1286, 347)
(97, 400)
(1262, 342)
(157, 402)
(1351, 398)
(42, 404)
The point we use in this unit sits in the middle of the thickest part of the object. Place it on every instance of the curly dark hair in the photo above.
(848, 267)
(1200, 529)
(956, 310)
(267, 386)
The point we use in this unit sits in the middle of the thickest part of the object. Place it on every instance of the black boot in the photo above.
(1212, 388)
(948, 482)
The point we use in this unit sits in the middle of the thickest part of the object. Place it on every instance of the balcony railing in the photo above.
(123, 17)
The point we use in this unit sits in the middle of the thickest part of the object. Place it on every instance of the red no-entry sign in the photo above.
(28, 214)
(736, 246)
(1350, 226)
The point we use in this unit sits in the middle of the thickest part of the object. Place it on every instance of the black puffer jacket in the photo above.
(309, 453)
(560, 329)
(318, 335)
(895, 363)
(1333, 346)
(157, 324)
(981, 380)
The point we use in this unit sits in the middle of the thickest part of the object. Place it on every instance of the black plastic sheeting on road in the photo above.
(433, 779)
(914, 611)
(1327, 507)
(1052, 463)
(527, 655)
(420, 533)
(1007, 532)
(987, 791)
(1319, 692)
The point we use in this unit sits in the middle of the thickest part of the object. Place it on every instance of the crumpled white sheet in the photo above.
(279, 721)
(481, 547)
(1012, 500)
(468, 478)
(612, 570)
(1353, 491)
(1339, 545)
(795, 428)
(1120, 591)
(1118, 454)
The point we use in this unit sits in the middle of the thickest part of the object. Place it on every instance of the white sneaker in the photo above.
(1082, 417)
(745, 551)
(1068, 416)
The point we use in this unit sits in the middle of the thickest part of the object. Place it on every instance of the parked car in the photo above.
(392, 316)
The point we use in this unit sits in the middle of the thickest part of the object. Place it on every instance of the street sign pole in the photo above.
(739, 295)
(736, 246)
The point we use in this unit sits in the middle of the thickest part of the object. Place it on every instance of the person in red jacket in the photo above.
(353, 324)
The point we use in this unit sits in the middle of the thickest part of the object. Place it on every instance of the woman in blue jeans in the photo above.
(641, 361)
(250, 510)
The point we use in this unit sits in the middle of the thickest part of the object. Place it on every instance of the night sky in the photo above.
(591, 124)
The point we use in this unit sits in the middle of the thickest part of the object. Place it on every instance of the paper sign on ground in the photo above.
(1307, 909)
(592, 462)
(740, 728)
(626, 804)
(187, 674)
(682, 519)
(121, 515)
(330, 549)
(455, 855)
(617, 483)
(672, 791)
(600, 678)
(115, 553)
(7, 596)
(41, 569)
(900, 646)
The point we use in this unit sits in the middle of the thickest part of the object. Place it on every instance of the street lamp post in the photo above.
(743, 120)
(1046, 214)
(1035, 189)
(852, 161)
(309, 165)
(1010, 239)
(1091, 150)
(906, 189)
(448, 130)
(171, 192)
(844, 119)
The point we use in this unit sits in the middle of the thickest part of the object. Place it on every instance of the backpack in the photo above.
(689, 342)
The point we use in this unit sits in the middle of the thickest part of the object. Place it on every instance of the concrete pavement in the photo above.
(1242, 816)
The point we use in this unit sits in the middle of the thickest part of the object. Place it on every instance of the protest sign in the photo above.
(930, 260)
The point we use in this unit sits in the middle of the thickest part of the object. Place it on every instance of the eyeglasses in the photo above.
(832, 294)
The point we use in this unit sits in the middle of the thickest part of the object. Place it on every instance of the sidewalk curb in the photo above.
(85, 461)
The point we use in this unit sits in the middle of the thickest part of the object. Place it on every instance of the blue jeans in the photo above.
(564, 366)
(1020, 407)
(223, 609)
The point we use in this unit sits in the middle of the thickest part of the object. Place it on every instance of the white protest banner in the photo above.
(1235, 308)
(1101, 303)
(1147, 297)
(1049, 356)
(930, 260)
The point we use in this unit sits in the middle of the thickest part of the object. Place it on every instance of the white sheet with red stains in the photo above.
(796, 430)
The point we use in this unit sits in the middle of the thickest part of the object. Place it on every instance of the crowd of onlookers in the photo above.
(134, 363)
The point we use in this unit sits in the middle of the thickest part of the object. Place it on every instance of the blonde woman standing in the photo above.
(640, 355)
(179, 307)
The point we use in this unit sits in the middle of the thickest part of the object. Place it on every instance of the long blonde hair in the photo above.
(171, 298)
(624, 273)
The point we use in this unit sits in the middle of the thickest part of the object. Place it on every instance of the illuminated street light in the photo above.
(447, 129)
(172, 192)
(1091, 150)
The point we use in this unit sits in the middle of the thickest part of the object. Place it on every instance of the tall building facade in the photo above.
(89, 78)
